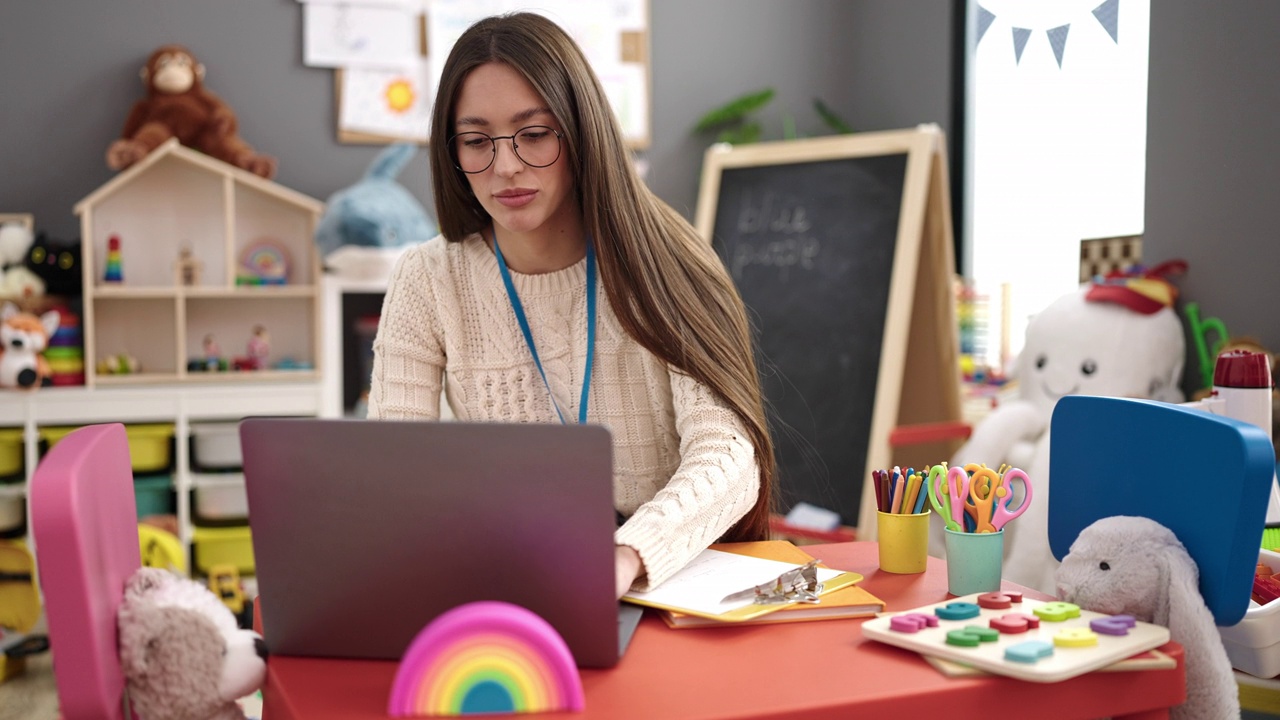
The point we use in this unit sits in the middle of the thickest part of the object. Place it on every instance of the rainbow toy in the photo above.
(485, 657)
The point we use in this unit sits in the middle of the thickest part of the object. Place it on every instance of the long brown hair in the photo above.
(666, 285)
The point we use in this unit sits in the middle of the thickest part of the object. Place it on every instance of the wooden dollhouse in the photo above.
(181, 248)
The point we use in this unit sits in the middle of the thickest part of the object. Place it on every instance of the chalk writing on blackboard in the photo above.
(773, 233)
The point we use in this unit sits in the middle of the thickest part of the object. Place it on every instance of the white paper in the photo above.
(712, 575)
(343, 35)
(391, 103)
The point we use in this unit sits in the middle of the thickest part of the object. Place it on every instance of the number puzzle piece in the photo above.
(1114, 625)
(958, 611)
(1029, 651)
(912, 622)
(985, 634)
(1075, 637)
(999, 600)
(1057, 611)
(971, 636)
(1014, 623)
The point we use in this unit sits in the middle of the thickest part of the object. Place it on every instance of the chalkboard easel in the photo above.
(842, 250)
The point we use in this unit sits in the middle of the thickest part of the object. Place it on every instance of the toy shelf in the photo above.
(180, 249)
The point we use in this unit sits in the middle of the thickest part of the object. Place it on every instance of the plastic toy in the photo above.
(23, 337)
(265, 262)
(114, 272)
(366, 225)
(258, 349)
(119, 364)
(1136, 566)
(188, 268)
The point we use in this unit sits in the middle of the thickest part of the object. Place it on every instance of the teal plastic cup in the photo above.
(974, 561)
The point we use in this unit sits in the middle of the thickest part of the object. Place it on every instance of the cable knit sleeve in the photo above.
(408, 352)
(716, 484)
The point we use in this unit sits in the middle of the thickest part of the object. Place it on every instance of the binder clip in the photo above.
(796, 585)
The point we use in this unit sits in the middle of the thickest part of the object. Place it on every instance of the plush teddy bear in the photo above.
(177, 105)
(1117, 337)
(365, 225)
(23, 337)
(184, 657)
(1136, 566)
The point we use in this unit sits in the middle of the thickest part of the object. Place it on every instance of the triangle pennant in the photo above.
(1020, 37)
(1058, 39)
(1108, 14)
(986, 17)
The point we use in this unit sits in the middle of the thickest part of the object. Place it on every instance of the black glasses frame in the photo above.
(515, 147)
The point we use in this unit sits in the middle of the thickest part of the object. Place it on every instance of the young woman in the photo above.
(536, 199)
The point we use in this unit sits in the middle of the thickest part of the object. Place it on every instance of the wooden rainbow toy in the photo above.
(485, 657)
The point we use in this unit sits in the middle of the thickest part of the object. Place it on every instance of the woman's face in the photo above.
(521, 199)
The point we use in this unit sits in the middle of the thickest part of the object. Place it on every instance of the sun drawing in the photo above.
(399, 95)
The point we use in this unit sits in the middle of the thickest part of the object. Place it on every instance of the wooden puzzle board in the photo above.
(1051, 630)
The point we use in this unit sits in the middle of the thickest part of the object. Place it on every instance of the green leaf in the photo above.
(833, 121)
(743, 135)
(735, 109)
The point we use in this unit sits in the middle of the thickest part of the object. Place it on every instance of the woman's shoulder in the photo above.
(440, 256)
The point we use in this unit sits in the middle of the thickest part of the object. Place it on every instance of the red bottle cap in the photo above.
(1242, 369)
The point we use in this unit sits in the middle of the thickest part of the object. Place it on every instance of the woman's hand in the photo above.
(627, 562)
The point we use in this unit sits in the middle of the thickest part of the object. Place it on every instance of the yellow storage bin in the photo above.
(10, 452)
(212, 546)
(150, 446)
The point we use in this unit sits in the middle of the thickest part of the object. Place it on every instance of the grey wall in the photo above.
(1213, 157)
(68, 76)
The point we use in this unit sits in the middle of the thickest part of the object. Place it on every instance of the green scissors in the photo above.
(941, 498)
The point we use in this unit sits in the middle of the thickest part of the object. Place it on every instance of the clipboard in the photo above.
(697, 589)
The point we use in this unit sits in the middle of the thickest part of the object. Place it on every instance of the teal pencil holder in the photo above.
(974, 561)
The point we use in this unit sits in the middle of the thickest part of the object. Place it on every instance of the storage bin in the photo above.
(1253, 644)
(153, 495)
(10, 454)
(13, 515)
(222, 546)
(215, 446)
(219, 504)
(150, 446)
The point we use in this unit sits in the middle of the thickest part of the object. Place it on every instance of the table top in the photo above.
(782, 671)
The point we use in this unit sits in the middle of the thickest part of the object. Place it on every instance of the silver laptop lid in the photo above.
(364, 531)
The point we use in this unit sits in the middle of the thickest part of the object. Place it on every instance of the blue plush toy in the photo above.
(375, 218)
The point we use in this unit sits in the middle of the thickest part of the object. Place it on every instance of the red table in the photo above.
(794, 671)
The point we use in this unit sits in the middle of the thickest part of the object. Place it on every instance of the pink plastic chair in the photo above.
(85, 524)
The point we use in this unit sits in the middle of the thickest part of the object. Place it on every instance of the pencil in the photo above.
(897, 494)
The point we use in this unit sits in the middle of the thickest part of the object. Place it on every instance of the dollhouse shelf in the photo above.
(206, 252)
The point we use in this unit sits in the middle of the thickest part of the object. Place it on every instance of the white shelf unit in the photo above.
(177, 200)
(180, 404)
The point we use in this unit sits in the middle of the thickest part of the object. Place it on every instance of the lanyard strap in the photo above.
(528, 334)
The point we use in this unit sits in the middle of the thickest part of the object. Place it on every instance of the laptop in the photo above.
(364, 531)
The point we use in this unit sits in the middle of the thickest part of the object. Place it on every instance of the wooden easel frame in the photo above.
(921, 334)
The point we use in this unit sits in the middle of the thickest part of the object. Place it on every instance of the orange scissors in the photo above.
(989, 496)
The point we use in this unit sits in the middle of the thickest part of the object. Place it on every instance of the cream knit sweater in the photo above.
(684, 469)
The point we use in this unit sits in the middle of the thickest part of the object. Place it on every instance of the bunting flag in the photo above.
(1107, 14)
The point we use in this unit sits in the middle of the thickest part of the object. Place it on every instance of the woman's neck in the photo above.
(541, 252)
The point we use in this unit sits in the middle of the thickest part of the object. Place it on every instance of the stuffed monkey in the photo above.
(177, 105)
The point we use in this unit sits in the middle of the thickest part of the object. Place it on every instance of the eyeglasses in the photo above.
(536, 146)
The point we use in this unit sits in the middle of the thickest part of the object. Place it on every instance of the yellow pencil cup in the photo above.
(904, 542)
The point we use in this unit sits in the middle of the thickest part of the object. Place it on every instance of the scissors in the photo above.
(989, 496)
(941, 499)
(957, 480)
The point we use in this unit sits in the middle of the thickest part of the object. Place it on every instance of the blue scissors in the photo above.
(990, 494)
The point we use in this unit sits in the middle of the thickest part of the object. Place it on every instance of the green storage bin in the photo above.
(10, 454)
(153, 495)
(150, 445)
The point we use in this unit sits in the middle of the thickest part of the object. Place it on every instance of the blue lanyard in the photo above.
(528, 335)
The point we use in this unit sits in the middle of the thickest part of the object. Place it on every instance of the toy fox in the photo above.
(23, 337)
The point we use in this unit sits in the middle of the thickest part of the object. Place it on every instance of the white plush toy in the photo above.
(183, 654)
(17, 281)
(1136, 566)
(1118, 337)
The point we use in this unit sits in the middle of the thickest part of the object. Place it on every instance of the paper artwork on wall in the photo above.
(1107, 15)
(360, 34)
(391, 103)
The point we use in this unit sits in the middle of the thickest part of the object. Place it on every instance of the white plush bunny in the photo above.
(1136, 566)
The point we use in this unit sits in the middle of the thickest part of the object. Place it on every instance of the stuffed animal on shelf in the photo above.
(1136, 566)
(23, 337)
(178, 105)
(57, 264)
(1117, 337)
(366, 225)
(17, 281)
(183, 654)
